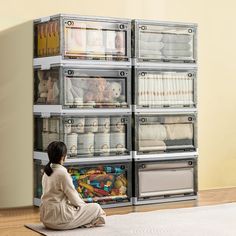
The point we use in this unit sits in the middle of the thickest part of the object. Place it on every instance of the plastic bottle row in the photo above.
(89, 143)
(85, 124)
(84, 135)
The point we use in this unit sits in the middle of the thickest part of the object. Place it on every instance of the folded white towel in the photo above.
(176, 46)
(149, 46)
(183, 53)
(176, 38)
(179, 131)
(150, 52)
(151, 145)
(152, 56)
(152, 132)
(151, 37)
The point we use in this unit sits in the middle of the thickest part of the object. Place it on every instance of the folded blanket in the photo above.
(151, 145)
(179, 131)
(151, 37)
(152, 132)
(148, 53)
(183, 53)
(176, 38)
(176, 46)
(152, 56)
(151, 45)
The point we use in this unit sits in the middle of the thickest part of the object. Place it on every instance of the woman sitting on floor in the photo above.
(61, 206)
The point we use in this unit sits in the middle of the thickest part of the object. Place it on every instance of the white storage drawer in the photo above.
(164, 179)
(85, 135)
(78, 87)
(156, 133)
(83, 38)
(173, 181)
(160, 87)
(107, 183)
(155, 41)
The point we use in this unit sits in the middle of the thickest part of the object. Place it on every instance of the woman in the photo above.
(61, 206)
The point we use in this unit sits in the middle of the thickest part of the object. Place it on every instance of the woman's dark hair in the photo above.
(56, 150)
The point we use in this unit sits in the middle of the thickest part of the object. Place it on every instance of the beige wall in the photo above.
(216, 86)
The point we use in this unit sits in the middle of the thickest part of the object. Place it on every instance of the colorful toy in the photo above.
(75, 181)
(95, 184)
(89, 199)
(112, 93)
(87, 186)
(100, 192)
(102, 184)
(116, 170)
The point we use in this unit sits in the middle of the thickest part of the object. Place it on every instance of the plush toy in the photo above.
(42, 87)
(95, 90)
(112, 93)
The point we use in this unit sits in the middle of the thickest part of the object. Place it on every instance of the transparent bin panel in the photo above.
(163, 41)
(38, 174)
(85, 136)
(83, 38)
(47, 87)
(100, 183)
(165, 88)
(96, 88)
(165, 133)
(47, 38)
(104, 184)
(83, 88)
(94, 39)
(165, 179)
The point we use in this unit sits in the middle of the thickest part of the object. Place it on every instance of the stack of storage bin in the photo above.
(82, 84)
(82, 96)
(165, 111)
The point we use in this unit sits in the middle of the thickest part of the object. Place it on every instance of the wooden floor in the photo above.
(12, 220)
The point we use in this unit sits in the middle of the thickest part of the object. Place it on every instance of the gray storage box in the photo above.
(83, 37)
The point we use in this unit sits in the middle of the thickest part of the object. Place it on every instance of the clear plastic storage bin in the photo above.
(163, 181)
(163, 87)
(75, 87)
(164, 41)
(104, 183)
(85, 136)
(156, 133)
(84, 38)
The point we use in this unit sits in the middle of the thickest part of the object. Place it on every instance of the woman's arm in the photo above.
(70, 191)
